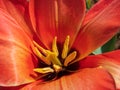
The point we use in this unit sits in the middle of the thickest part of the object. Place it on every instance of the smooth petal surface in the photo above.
(18, 9)
(59, 18)
(21, 5)
(110, 61)
(98, 27)
(85, 79)
(12, 88)
(96, 9)
(42, 14)
(70, 16)
(16, 60)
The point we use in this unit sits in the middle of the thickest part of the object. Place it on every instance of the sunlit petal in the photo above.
(18, 9)
(16, 60)
(100, 28)
(110, 61)
(70, 17)
(56, 18)
(86, 79)
(42, 15)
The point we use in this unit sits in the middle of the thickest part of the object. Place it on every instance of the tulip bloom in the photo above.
(46, 44)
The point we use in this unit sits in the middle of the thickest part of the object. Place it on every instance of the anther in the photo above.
(54, 59)
(42, 57)
(44, 70)
(51, 57)
(44, 51)
(57, 68)
(65, 47)
(70, 58)
(54, 46)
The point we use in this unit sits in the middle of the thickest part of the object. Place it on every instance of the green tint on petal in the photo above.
(97, 51)
(109, 46)
(88, 4)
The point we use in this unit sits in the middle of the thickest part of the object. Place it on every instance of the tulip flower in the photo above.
(47, 45)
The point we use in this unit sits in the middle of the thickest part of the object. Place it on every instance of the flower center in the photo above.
(55, 61)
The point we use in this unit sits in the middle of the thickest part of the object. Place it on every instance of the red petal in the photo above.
(70, 16)
(16, 65)
(42, 17)
(110, 61)
(98, 29)
(21, 5)
(86, 79)
(12, 88)
(96, 10)
(56, 18)
(18, 9)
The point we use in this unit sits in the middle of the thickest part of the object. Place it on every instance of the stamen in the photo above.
(57, 68)
(54, 46)
(51, 57)
(65, 47)
(44, 70)
(44, 51)
(70, 58)
(43, 58)
(54, 59)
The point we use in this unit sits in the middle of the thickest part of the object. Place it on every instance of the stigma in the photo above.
(56, 61)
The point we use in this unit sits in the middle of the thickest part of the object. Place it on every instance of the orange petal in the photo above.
(70, 16)
(18, 9)
(110, 61)
(86, 79)
(96, 10)
(16, 60)
(12, 87)
(98, 29)
(56, 18)
(43, 19)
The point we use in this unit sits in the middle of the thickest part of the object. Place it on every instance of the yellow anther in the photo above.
(70, 58)
(65, 47)
(57, 68)
(42, 57)
(43, 70)
(54, 59)
(44, 51)
(54, 46)
(51, 57)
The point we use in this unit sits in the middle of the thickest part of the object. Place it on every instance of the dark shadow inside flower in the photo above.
(48, 77)
(57, 62)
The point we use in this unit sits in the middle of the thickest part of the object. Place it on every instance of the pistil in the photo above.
(52, 57)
